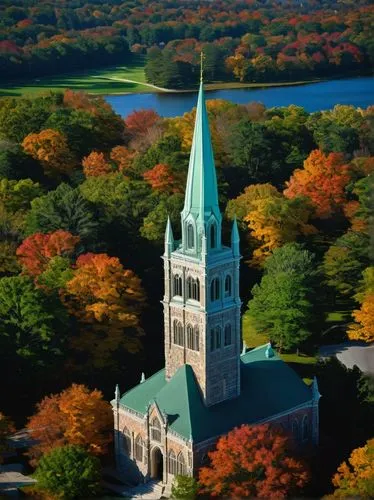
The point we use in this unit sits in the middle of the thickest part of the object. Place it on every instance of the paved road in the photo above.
(350, 354)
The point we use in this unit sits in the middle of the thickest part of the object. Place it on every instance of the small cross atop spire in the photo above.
(202, 57)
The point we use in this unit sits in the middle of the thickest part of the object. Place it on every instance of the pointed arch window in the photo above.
(215, 289)
(305, 428)
(190, 236)
(156, 429)
(196, 338)
(139, 446)
(228, 286)
(172, 463)
(181, 465)
(189, 337)
(126, 441)
(215, 338)
(228, 340)
(193, 338)
(213, 235)
(177, 285)
(193, 288)
(178, 333)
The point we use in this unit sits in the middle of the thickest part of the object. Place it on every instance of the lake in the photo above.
(313, 97)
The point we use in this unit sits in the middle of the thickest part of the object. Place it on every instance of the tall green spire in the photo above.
(201, 199)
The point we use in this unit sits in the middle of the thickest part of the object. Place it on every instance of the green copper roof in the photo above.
(201, 197)
(268, 387)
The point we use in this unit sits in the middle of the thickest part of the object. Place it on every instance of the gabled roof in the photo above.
(268, 387)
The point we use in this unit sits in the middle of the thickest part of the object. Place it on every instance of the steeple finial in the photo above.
(117, 394)
(202, 57)
(169, 238)
(235, 239)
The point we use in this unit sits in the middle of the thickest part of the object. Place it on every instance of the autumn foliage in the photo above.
(355, 479)
(107, 300)
(253, 461)
(95, 164)
(161, 179)
(322, 180)
(75, 416)
(51, 148)
(363, 329)
(38, 249)
(139, 122)
(122, 157)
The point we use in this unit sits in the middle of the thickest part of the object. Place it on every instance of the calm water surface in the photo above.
(313, 97)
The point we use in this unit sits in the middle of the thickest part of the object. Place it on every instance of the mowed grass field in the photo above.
(102, 81)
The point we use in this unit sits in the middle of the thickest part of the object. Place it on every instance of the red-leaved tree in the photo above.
(139, 122)
(37, 250)
(253, 461)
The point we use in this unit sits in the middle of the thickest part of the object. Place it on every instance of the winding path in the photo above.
(138, 83)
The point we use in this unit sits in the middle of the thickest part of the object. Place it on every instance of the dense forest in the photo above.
(84, 198)
(245, 40)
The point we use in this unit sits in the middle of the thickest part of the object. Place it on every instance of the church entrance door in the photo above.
(157, 464)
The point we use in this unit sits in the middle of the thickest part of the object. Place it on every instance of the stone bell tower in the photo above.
(201, 301)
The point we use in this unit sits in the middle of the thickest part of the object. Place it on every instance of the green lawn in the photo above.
(92, 81)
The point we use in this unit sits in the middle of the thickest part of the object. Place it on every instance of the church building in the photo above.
(167, 424)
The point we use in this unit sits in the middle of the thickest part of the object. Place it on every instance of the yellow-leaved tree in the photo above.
(363, 328)
(107, 301)
(355, 479)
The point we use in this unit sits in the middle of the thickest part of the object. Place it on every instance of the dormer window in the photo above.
(190, 236)
(213, 237)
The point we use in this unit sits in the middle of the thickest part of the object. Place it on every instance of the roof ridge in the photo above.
(145, 381)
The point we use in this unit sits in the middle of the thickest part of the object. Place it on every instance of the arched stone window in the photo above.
(172, 463)
(295, 429)
(196, 338)
(178, 333)
(156, 430)
(189, 337)
(305, 428)
(228, 340)
(126, 441)
(218, 337)
(214, 289)
(190, 236)
(181, 465)
(228, 286)
(139, 448)
(177, 285)
(213, 236)
(193, 288)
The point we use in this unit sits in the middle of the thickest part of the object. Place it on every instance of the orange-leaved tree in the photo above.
(107, 300)
(161, 179)
(355, 479)
(37, 250)
(95, 164)
(51, 148)
(122, 157)
(75, 416)
(253, 461)
(363, 329)
(322, 180)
